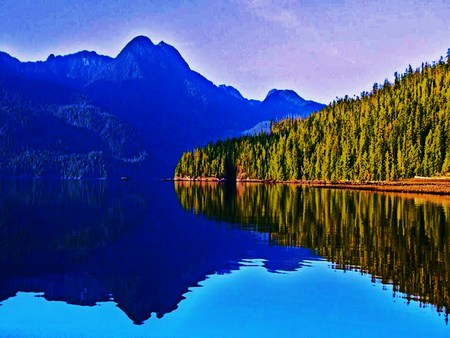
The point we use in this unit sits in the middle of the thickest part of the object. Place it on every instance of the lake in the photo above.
(183, 259)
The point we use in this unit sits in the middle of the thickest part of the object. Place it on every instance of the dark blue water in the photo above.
(101, 258)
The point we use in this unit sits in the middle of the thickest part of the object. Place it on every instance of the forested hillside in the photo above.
(398, 130)
(48, 130)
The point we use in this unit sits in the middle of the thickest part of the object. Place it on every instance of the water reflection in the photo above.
(400, 240)
(83, 242)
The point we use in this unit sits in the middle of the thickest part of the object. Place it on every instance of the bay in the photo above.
(102, 258)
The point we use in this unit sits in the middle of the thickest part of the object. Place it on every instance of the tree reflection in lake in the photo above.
(399, 239)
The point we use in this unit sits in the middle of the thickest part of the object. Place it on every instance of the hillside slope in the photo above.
(396, 131)
(49, 130)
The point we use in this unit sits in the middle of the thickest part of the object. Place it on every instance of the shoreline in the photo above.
(419, 185)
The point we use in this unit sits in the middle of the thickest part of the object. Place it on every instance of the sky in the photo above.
(320, 49)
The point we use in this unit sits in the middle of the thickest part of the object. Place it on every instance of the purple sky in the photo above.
(321, 49)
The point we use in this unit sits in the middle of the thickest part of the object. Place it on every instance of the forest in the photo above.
(397, 130)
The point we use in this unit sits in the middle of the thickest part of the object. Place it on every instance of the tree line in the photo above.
(398, 130)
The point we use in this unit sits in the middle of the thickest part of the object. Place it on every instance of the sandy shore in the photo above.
(435, 186)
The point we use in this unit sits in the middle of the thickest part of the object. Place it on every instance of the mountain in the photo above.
(50, 130)
(287, 102)
(290, 103)
(136, 112)
(399, 130)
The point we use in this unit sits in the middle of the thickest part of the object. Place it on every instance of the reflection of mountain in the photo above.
(391, 237)
(85, 242)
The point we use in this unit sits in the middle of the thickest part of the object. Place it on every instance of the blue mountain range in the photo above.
(88, 115)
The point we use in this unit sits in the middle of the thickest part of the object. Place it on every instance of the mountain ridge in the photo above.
(147, 87)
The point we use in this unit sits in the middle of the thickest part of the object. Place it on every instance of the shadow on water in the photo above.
(83, 242)
(398, 239)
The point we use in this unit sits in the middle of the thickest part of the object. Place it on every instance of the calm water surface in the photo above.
(101, 258)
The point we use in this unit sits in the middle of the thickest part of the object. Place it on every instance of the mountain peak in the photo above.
(140, 40)
(138, 45)
(286, 94)
(273, 90)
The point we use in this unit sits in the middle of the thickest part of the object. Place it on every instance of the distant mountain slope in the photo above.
(146, 100)
(47, 130)
(398, 130)
(290, 103)
(261, 127)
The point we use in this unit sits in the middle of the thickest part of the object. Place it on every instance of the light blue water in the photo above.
(316, 301)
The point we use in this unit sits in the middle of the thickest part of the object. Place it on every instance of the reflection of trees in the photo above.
(67, 214)
(391, 237)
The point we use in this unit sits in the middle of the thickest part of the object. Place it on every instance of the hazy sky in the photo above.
(321, 49)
